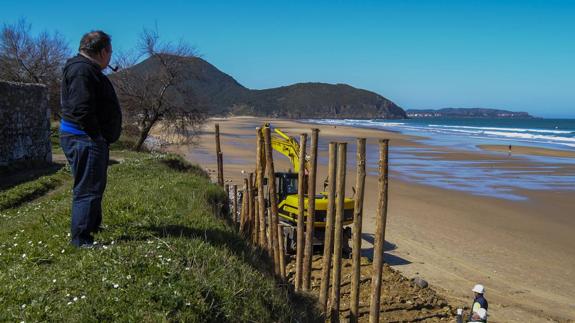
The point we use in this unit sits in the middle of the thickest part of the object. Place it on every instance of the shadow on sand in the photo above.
(389, 259)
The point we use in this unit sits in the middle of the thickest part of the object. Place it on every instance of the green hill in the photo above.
(221, 94)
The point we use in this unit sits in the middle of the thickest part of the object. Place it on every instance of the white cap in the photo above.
(478, 289)
(482, 313)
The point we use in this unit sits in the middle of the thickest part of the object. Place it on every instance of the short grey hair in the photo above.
(94, 42)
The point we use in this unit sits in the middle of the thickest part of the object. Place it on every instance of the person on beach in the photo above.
(479, 302)
(91, 120)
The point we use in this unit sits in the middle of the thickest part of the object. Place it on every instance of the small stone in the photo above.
(422, 283)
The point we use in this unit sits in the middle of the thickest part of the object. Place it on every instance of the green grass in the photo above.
(25, 192)
(169, 255)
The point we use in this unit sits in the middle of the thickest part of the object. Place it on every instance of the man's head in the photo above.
(97, 45)
(478, 289)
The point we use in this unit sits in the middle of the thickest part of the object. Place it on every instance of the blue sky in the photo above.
(517, 55)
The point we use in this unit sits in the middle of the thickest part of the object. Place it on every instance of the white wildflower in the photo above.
(129, 277)
(23, 255)
(75, 299)
(54, 280)
(83, 297)
(63, 250)
(69, 303)
(23, 306)
(116, 285)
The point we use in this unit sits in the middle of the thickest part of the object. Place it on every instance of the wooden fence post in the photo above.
(381, 218)
(235, 206)
(219, 156)
(245, 207)
(256, 231)
(301, 212)
(273, 200)
(338, 230)
(251, 214)
(227, 189)
(281, 251)
(308, 251)
(328, 240)
(260, 168)
(357, 228)
(270, 230)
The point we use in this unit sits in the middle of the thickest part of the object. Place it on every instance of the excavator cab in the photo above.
(287, 184)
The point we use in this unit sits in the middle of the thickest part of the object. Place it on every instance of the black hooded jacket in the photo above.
(89, 100)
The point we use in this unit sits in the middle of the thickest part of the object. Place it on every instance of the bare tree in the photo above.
(33, 59)
(151, 93)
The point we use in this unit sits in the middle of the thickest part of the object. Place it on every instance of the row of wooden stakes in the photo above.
(262, 227)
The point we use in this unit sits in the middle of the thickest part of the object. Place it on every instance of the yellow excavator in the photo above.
(288, 202)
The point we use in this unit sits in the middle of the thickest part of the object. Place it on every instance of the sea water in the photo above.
(545, 133)
(494, 178)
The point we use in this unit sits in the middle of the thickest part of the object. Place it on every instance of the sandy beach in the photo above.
(522, 248)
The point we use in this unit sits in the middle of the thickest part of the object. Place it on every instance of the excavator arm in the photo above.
(287, 146)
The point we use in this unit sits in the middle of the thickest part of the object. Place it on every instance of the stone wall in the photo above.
(24, 123)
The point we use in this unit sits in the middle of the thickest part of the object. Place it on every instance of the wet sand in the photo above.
(522, 251)
(524, 150)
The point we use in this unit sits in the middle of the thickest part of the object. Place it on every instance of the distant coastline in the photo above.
(467, 113)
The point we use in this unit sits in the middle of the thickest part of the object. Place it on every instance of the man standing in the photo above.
(480, 305)
(91, 120)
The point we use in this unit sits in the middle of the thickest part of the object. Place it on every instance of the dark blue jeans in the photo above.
(88, 159)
